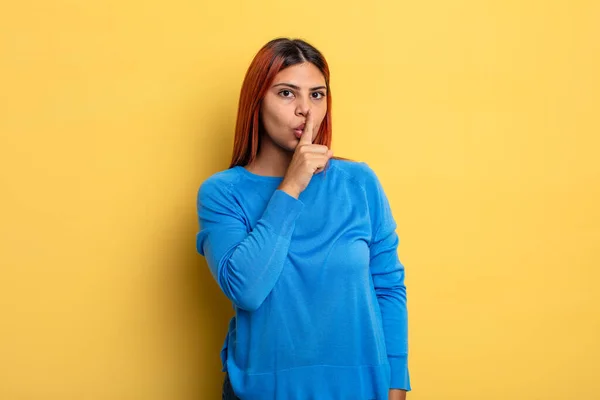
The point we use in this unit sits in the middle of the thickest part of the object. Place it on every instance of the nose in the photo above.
(302, 106)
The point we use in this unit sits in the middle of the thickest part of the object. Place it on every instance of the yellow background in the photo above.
(480, 117)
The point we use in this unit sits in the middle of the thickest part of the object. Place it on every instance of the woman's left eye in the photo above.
(320, 94)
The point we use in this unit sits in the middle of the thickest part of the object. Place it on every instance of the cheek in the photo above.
(275, 116)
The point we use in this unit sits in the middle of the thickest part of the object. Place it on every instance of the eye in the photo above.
(321, 94)
(285, 93)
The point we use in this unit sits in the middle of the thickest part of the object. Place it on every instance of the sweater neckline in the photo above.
(252, 175)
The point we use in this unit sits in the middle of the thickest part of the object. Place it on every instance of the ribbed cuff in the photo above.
(282, 211)
(400, 378)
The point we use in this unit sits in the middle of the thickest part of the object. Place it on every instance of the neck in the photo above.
(271, 160)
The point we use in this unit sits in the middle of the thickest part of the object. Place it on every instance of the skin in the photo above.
(397, 394)
(297, 96)
(284, 108)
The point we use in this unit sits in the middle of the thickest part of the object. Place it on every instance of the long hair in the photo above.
(274, 56)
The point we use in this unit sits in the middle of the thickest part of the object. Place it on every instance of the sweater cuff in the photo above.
(400, 378)
(282, 211)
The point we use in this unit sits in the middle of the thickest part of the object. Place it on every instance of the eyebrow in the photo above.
(297, 87)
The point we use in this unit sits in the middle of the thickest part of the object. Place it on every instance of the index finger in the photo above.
(307, 133)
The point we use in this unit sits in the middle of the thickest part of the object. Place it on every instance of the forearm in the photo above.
(249, 274)
(245, 262)
(392, 302)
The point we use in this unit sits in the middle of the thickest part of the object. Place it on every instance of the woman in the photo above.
(304, 246)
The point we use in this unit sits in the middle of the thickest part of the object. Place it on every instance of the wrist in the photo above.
(289, 189)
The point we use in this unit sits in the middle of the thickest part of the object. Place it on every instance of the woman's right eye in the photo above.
(286, 93)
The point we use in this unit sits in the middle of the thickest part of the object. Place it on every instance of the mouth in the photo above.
(298, 130)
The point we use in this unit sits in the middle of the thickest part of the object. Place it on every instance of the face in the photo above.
(294, 91)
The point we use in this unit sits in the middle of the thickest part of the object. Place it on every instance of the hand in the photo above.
(308, 159)
(397, 394)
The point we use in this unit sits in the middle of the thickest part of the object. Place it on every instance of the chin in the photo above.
(289, 146)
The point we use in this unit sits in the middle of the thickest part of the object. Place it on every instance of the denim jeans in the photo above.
(228, 393)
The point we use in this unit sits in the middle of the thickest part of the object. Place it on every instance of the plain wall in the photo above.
(480, 118)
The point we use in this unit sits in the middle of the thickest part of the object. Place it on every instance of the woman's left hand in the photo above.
(397, 394)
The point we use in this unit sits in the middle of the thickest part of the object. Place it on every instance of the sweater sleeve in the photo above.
(245, 263)
(388, 279)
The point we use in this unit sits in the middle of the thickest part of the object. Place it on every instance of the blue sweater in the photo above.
(316, 284)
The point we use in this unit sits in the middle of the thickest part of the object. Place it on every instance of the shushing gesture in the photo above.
(308, 159)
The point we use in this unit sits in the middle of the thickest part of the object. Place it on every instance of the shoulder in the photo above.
(218, 186)
(359, 172)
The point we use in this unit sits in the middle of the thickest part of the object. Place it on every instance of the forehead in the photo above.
(305, 74)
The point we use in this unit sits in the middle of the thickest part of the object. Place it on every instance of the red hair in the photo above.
(274, 56)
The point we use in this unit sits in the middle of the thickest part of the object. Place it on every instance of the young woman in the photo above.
(304, 246)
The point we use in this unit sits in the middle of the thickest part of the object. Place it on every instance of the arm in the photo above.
(246, 264)
(388, 279)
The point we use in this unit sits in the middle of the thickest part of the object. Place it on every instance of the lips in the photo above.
(299, 131)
